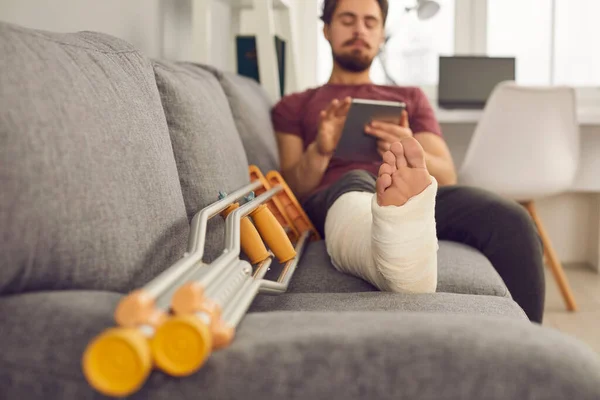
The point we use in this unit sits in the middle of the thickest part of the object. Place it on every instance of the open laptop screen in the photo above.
(468, 81)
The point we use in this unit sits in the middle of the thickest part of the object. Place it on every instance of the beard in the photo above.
(353, 62)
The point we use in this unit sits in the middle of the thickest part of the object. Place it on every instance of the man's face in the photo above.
(355, 34)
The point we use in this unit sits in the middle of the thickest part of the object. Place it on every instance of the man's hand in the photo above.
(388, 133)
(331, 123)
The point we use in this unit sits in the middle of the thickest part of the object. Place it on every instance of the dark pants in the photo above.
(500, 229)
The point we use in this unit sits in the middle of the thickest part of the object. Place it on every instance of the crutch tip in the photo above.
(117, 362)
(222, 335)
(181, 345)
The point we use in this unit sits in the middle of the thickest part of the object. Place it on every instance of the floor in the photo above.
(584, 323)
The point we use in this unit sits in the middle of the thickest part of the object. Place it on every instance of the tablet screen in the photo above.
(355, 144)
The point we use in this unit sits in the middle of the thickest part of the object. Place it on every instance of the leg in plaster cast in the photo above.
(389, 237)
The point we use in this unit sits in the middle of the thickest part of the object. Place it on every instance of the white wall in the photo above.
(178, 31)
(159, 28)
(136, 21)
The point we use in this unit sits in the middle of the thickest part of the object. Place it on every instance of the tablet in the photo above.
(355, 144)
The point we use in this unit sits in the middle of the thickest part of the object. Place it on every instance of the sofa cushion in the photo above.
(443, 303)
(251, 108)
(461, 269)
(209, 153)
(90, 196)
(307, 355)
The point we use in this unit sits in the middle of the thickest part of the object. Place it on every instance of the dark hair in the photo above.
(329, 7)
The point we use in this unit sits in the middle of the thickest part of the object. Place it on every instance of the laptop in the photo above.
(466, 82)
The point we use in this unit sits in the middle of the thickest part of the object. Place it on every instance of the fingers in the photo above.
(337, 108)
(387, 131)
(381, 134)
(404, 119)
(332, 108)
(344, 107)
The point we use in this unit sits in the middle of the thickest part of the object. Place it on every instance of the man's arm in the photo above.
(302, 170)
(438, 158)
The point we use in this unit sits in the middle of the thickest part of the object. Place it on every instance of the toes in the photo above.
(383, 182)
(390, 159)
(386, 169)
(414, 153)
(398, 150)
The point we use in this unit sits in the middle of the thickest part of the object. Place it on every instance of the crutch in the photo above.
(118, 361)
(205, 318)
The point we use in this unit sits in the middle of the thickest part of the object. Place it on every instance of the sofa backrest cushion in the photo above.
(209, 154)
(90, 196)
(251, 109)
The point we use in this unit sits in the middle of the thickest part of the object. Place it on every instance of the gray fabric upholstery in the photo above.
(251, 109)
(89, 193)
(210, 156)
(461, 269)
(308, 355)
(446, 303)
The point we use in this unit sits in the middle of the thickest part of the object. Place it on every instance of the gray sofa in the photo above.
(106, 155)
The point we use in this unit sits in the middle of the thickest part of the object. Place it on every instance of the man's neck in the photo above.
(344, 77)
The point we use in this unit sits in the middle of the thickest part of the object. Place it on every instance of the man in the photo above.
(355, 205)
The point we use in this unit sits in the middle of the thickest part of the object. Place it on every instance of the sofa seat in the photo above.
(461, 269)
(308, 355)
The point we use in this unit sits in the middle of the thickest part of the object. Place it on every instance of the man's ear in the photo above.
(326, 32)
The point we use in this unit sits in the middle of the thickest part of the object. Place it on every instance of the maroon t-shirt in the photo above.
(298, 114)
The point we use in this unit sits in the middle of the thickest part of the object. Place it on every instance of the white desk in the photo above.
(589, 116)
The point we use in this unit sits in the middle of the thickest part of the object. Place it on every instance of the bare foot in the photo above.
(403, 173)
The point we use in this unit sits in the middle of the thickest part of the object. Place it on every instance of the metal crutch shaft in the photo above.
(199, 281)
(146, 305)
(191, 326)
(236, 310)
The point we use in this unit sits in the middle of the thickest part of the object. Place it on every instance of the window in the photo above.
(412, 50)
(551, 39)
(577, 59)
(521, 29)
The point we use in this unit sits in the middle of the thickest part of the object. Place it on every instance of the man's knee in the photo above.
(513, 218)
(506, 218)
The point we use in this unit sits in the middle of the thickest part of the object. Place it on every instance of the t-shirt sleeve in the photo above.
(286, 114)
(422, 118)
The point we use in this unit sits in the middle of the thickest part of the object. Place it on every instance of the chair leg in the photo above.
(552, 259)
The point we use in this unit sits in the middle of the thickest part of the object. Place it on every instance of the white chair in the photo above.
(526, 147)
